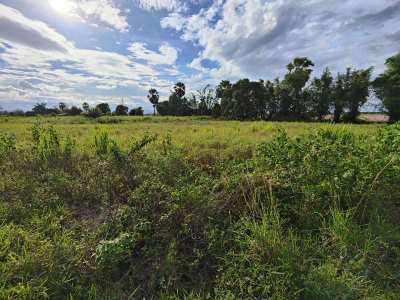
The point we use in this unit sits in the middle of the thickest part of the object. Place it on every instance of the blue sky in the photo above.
(115, 50)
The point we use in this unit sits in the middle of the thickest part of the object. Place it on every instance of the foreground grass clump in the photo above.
(312, 217)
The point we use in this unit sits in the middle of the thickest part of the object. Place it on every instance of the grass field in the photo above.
(189, 132)
(195, 208)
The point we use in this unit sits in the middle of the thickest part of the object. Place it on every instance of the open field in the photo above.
(195, 208)
(190, 132)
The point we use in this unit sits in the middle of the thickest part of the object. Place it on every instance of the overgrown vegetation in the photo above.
(308, 217)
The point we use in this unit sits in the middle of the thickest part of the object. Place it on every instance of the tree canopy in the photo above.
(387, 88)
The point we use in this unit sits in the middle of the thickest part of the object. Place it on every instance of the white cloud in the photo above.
(56, 69)
(16, 28)
(166, 54)
(257, 38)
(169, 5)
(103, 10)
(93, 11)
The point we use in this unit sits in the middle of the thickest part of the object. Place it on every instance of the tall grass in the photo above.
(308, 217)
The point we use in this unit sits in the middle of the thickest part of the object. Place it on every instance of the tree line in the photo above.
(100, 109)
(296, 96)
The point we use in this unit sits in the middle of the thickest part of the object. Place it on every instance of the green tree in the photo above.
(121, 110)
(216, 111)
(295, 80)
(153, 97)
(85, 106)
(242, 100)
(104, 108)
(321, 90)
(179, 89)
(387, 88)
(207, 100)
(40, 108)
(62, 106)
(177, 104)
(136, 111)
(340, 96)
(358, 93)
(224, 93)
(272, 106)
(74, 111)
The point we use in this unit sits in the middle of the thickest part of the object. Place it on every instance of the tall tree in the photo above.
(224, 93)
(85, 106)
(177, 104)
(179, 89)
(341, 91)
(153, 97)
(272, 106)
(387, 88)
(62, 106)
(321, 95)
(360, 82)
(207, 100)
(295, 80)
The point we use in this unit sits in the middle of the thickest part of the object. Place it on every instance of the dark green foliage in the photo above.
(387, 87)
(40, 109)
(321, 95)
(244, 99)
(153, 97)
(206, 101)
(103, 108)
(177, 104)
(315, 217)
(121, 110)
(292, 98)
(294, 82)
(136, 111)
(74, 111)
(85, 106)
(350, 92)
(358, 93)
(62, 106)
(93, 113)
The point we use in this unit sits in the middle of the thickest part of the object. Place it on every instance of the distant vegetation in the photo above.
(193, 210)
(101, 109)
(294, 97)
(297, 96)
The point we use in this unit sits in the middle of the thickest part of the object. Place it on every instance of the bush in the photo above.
(136, 111)
(93, 113)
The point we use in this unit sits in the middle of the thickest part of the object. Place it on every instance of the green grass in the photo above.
(191, 132)
(194, 208)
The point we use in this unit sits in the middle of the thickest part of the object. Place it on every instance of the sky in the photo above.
(114, 51)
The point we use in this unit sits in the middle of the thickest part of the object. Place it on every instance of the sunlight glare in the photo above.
(62, 6)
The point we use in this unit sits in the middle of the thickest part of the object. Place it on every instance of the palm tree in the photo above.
(85, 106)
(62, 106)
(153, 97)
